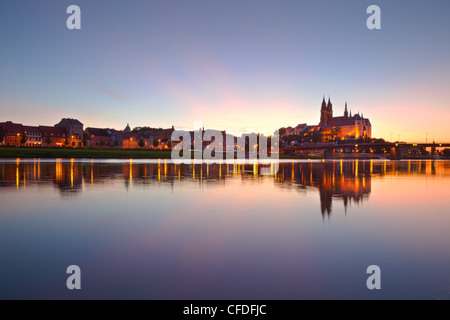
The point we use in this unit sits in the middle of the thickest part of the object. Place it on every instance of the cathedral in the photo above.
(351, 127)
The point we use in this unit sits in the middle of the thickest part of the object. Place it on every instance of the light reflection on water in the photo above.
(157, 230)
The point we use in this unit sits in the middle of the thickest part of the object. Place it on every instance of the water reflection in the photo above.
(347, 181)
(158, 230)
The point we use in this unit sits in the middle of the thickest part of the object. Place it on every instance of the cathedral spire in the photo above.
(346, 111)
(324, 105)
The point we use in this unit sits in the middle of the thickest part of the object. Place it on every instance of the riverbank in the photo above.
(68, 153)
(24, 152)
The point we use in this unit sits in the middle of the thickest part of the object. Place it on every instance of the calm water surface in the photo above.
(156, 230)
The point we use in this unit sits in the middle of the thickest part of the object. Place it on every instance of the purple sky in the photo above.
(234, 65)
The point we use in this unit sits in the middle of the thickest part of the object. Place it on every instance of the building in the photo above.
(128, 140)
(166, 134)
(346, 126)
(12, 133)
(99, 138)
(54, 136)
(289, 131)
(74, 129)
(329, 128)
(33, 136)
(154, 138)
(300, 128)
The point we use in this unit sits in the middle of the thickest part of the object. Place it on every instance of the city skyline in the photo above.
(232, 65)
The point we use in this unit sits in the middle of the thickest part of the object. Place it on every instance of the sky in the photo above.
(235, 65)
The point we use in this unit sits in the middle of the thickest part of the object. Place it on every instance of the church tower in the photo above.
(329, 109)
(346, 111)
(326, 112)
(323, 112)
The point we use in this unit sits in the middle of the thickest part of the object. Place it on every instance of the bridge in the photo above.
(395, 148)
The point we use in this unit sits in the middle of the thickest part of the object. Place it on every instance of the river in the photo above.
(152, 229)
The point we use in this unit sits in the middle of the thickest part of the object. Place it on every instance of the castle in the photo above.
(355, 126)
(347, 126)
